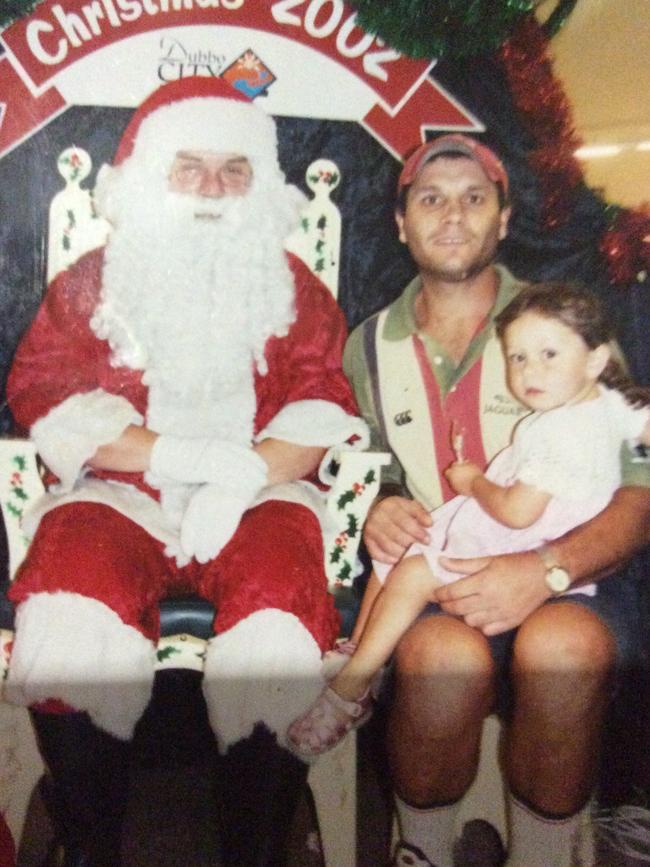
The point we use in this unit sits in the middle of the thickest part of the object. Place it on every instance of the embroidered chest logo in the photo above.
(402, 418)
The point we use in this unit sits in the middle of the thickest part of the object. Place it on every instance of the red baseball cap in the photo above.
(454, 143)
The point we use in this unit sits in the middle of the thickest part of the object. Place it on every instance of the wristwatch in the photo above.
(557, 579)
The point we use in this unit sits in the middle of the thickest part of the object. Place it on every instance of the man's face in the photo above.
(209, 174)
(452, 223)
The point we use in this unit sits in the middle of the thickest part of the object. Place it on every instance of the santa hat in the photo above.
(198, 113)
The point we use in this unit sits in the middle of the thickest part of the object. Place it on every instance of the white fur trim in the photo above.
(77, 650)
(72, 432)
(125, 499)
(267, 668)
(315, 423)
(212, 124)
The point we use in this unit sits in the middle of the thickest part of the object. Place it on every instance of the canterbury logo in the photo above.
(403, 418)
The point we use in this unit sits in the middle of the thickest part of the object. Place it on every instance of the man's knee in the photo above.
(442, 644)
(444, 669)
(564, 638)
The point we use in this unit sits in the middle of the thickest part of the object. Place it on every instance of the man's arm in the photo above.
(394, 521)
(504, 590)
(131, 453)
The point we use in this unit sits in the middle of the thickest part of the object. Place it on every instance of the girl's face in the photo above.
(548, 364)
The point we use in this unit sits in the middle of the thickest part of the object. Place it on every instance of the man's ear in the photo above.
(598, 360)
(399, 219)
(504, 219)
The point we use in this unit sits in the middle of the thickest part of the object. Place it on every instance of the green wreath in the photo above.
(10, 10)
(419, 28)
(450, 28)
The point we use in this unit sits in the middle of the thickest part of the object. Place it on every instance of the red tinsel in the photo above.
(626, 246)
(545, 112)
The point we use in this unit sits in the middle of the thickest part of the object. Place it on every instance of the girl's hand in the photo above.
(461, 476)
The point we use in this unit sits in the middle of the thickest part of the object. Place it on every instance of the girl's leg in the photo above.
(373, 589)
(407, 591)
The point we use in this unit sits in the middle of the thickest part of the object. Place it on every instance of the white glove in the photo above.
(215, 510)
(196, 460)
(210, 521)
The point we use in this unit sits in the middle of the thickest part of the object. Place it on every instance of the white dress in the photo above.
(571, 452)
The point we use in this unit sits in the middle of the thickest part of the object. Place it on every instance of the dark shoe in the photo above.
(406, 855)
(259, 784)
(86, 789)
(479, 846)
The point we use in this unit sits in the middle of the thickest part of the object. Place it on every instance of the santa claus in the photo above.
(182, 385)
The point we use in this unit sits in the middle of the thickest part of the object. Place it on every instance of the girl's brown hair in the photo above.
(584, 313)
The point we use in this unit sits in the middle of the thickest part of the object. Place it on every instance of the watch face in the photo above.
(558, 579)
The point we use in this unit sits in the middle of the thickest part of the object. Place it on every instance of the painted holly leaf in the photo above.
(319, 265)
(304, 224)
(369, 477)
(166, 653)
(335, 556)
(14, 510)
(345, 498)
(353, 526)
(65, 242)
(345, 572)
(20, 493)
(322, 222)
(20, 461)
(319, 245)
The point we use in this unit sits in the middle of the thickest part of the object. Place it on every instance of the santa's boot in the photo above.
(259, 786)
(87, 787)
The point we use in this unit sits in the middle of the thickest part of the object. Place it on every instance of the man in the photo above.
(426, 368)
(179, 384)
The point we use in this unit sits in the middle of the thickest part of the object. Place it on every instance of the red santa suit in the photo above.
(106, 546)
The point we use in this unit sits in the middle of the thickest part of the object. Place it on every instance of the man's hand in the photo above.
(499, 592)
(392, 525)
(461, 476)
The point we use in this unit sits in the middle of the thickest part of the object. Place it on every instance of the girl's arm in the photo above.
(517, 506)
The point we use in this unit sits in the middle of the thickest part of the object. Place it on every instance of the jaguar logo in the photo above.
(403, 418)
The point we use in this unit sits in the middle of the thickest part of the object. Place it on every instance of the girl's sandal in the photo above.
(327, 722)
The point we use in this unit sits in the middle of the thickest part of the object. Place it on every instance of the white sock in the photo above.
(536, 841)
(430, 829)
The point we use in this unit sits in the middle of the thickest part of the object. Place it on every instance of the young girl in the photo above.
(561, 469)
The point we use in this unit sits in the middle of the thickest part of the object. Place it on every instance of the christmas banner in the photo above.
(305, 58)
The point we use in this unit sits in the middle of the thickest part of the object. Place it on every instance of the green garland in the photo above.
(450, 28)
(419, 28)
(10, 10)
(441, 28)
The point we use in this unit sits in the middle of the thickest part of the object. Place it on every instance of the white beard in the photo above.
(192, 302)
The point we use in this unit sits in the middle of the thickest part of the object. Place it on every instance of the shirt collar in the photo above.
(400, 320)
